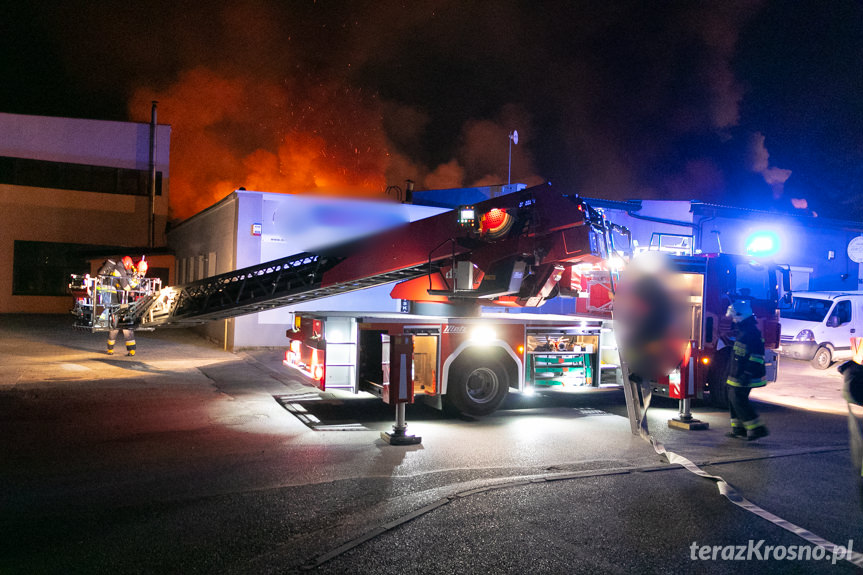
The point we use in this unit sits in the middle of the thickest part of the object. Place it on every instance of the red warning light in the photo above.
(495, 223)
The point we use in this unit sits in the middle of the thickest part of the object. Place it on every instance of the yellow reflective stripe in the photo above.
(755, 383)
(756, 358)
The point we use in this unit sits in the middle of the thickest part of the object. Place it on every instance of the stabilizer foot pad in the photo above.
(400, 439)
(691, 425)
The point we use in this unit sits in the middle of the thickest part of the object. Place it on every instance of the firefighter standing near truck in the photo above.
(123, 278)
(746, 371)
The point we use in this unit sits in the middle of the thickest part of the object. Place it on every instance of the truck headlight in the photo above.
(805, 335)
(483, 335)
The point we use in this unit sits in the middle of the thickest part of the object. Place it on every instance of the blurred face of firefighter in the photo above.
(143, 267)
(650, 315)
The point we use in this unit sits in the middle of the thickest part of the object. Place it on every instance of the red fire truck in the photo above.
(509, 252)
(518, 251)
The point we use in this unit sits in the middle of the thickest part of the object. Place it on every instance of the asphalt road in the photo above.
(190, 459)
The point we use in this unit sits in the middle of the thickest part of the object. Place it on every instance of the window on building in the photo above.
(78, 177)
(43, 268)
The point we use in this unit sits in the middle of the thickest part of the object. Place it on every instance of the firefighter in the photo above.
(746, 371)
(123, 278)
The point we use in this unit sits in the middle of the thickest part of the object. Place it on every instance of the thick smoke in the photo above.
(759, 160)
(619, 101)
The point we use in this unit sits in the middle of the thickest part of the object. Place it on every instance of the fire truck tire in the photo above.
(477, 388)
(822, 358)
(717, 376)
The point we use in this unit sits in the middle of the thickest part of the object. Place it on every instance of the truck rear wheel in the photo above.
(822, 359)
(478, 388)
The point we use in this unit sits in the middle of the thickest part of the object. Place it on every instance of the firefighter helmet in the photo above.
(127, 262)
(739, 310)
(142, 266)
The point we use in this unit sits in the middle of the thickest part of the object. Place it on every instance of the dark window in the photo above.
(841, 313)
(79, 177)
(43, 268)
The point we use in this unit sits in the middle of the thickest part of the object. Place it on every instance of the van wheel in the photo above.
(479, 389)
(823, 358)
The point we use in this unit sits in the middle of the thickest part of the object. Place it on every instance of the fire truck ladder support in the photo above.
(287, 281)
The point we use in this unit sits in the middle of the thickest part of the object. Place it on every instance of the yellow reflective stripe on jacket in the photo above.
(761, 382)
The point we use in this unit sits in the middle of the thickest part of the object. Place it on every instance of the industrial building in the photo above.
(72, 190)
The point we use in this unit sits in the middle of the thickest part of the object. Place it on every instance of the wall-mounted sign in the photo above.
(256, 229)
(855, 249)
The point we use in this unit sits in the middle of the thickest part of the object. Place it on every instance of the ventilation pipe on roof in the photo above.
(409, 192)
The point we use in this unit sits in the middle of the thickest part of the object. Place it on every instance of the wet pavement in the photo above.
(183, 459)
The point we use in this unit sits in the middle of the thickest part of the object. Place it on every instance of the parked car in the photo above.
(818, 326)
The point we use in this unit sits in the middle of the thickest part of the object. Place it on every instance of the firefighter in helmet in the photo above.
(746, 371)
(123, 278)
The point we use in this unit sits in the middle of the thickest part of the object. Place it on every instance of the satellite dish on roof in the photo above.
(513, 139)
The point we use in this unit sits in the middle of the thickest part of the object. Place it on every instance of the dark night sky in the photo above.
(749, 103)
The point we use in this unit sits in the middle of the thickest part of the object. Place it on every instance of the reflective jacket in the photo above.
(747, 360)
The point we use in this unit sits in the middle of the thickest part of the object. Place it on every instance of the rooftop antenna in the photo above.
(513, 139)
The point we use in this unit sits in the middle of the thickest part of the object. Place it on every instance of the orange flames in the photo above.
(323, 137)
(231, 132)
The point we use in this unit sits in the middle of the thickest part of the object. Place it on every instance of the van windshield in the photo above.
(807, 309)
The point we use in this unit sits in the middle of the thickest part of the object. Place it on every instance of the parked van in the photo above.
(818, 326)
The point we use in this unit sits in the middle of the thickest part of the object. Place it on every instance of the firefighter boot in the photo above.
(111, 347)
(130, 347)
(738, 431)
(757, 433)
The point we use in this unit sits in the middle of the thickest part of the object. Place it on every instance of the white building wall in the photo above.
(77, 141)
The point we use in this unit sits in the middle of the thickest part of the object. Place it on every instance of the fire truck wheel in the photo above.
(822, 359)
(479, 388)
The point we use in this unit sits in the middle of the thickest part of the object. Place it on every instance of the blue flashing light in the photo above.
(762, 244)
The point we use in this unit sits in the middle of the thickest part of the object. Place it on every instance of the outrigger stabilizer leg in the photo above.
(399, 435)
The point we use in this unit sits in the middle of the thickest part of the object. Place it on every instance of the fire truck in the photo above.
(511, 253)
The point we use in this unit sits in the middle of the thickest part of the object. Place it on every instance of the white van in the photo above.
(818, 326)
